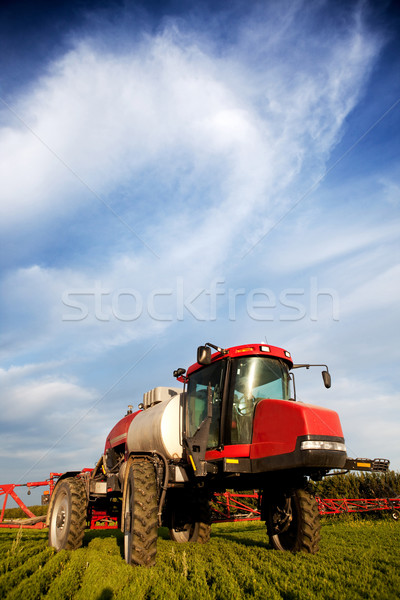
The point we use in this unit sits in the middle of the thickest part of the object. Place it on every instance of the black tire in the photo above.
(68, 514)
(293, 522)
(395, 515)
(197, 531)
(190, 521)
(140, 514)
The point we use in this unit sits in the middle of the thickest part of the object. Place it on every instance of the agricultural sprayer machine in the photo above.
(235, 424)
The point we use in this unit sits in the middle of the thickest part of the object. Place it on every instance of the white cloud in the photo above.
(369, 414)
(336, 239)
(168, 101)
(50, 421)
(25, 393)
(390, 191)
(380, 293)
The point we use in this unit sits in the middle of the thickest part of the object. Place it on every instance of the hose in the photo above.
(164, 487)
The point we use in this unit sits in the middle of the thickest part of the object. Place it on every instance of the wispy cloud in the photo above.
(168, 106)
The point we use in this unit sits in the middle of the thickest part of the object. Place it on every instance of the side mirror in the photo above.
(179, 372)
(326, 376)
(204, 355)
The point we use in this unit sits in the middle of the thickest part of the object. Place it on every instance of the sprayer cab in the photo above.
(241, 416)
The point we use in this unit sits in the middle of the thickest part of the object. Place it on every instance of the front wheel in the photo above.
(68, 512)
(293, 522)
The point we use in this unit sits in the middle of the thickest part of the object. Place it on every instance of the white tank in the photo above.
(158, 429)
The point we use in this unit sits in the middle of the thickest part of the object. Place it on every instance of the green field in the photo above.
(358, 559)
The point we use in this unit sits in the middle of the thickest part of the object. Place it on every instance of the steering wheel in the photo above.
(244, 406)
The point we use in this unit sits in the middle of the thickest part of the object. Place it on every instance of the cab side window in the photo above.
(212, 375)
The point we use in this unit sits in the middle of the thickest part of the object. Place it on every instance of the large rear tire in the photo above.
(140, 513)
(293, 522)
(68, 514)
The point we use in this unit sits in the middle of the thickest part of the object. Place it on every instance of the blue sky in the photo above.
(176, 173)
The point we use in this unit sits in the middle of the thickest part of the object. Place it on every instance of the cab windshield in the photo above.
(254, 378)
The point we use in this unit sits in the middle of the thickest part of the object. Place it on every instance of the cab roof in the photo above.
(247, 350)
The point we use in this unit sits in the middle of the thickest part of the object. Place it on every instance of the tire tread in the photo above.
(145, 517)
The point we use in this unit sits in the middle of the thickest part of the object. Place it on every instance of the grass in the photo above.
(358, 559)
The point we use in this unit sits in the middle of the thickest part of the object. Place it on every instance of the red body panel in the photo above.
(119, 432)
(234, 451)
(278, 423)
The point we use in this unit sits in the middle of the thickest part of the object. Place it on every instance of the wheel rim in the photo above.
(128, 524)
(60, 520)
(184, 533)
(286, 539)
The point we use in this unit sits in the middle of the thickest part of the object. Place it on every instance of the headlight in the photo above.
(322, 445)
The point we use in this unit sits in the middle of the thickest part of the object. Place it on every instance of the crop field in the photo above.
(358, 559)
